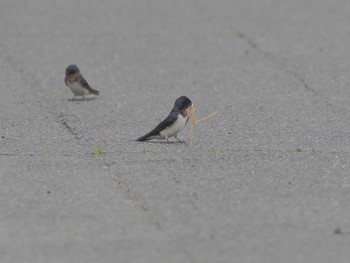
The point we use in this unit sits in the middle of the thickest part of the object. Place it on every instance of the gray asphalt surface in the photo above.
(267, 179)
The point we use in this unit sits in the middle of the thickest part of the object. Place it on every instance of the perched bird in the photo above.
(76, 82)
(173, 124)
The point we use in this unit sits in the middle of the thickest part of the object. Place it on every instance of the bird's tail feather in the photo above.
(143, 138)
(93, 91)
(149, 136)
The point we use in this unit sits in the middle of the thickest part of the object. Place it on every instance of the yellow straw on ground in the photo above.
(192, 113)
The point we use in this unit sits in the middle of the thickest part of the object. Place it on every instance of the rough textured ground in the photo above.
(267, 180)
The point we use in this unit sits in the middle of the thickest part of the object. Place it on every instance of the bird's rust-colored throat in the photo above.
(73, 77)
(185, 112)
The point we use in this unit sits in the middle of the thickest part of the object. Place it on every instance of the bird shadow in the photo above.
(82, 99)
(162, 142)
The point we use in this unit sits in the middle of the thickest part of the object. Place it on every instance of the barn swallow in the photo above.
(173, 124)
(76, 82)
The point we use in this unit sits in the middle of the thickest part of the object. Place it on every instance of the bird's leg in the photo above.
(177, 138)
(167, 139)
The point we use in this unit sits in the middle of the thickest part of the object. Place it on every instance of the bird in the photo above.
(173, 124)
(76, 82)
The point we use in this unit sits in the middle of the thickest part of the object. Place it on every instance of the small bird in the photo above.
(76, 82)
(173, 124)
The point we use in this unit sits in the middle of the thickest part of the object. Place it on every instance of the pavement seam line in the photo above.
(284, 65)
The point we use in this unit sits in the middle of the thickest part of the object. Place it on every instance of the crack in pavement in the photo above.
(112, 173)
(70, 129)
(284, 66)
(303, 82)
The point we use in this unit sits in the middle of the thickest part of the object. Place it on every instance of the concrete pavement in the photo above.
(267, 179)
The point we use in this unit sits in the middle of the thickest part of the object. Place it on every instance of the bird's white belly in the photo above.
(174, 129)
(77, 89)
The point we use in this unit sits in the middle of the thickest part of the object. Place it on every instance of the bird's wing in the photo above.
(168, 121)
(86, 85)
(66, 81)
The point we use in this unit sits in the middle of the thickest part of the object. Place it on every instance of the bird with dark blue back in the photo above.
(173, 124)
(76, 82)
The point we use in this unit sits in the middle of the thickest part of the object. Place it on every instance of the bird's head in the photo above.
(182, 103)
(72, 72)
